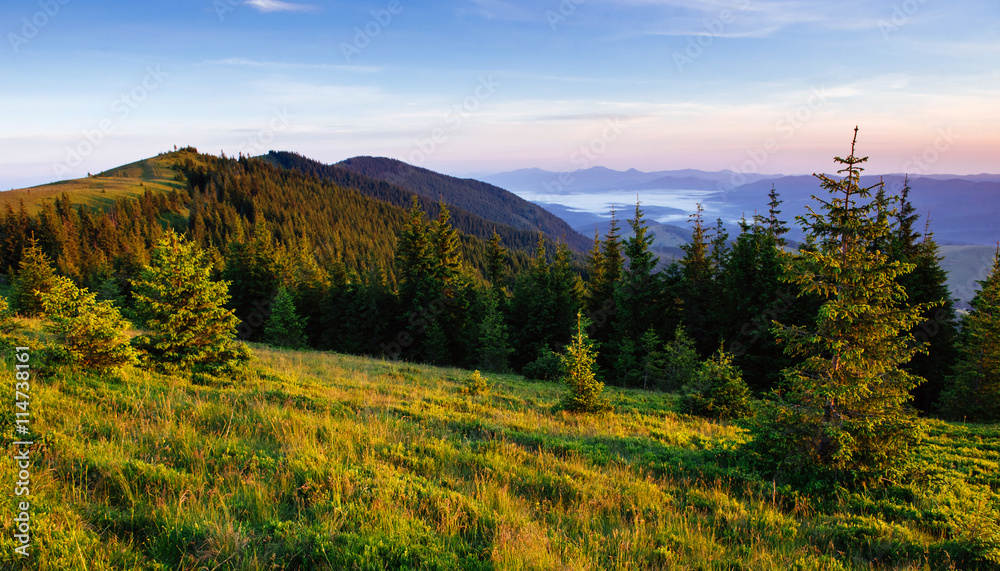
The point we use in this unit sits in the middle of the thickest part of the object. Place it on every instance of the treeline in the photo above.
(332, 269)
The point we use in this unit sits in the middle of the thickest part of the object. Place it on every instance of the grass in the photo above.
(322, 461)
(156, 174)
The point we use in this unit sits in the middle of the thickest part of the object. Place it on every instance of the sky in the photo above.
(471, 87)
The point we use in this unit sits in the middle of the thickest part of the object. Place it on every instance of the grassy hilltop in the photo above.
(321, 461)
(156, 174)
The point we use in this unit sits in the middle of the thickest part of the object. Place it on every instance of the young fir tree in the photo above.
(6, 323)
(284, 328)
(34, 278)
(975, 391)
(718, 390)
(846, 411)
(185, 309)
(579, 362)
(679, 361)
(90, 334)
(436, 348)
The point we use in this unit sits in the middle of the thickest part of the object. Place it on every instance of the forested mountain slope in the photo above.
(479, 198)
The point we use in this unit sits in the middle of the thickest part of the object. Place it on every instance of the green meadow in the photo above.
(308, 460)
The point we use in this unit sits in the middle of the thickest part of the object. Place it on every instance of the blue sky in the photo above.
(477, 86)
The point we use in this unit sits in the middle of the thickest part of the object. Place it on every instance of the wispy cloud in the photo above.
(244, 62)
(500, 10)
(279, 6)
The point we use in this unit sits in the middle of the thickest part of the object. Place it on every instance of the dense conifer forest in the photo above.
(437, 284)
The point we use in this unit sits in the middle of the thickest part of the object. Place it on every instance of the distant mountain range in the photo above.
(964, 211)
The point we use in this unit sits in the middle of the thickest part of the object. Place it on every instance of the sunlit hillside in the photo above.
(321, 461)
(100, 190)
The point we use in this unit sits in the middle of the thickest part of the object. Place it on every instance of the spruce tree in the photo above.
(446, 254)
(534, 307)
(566, 291)
(6, 323)
(414, 261)
(253, 270)
(184, 308)
(776, 228)
(751, 296)
(307, 286)
(846, 411)
(697, 283)
(494, 347)
(975, 388)
(284, 328)
(636, 300)
(679, 361)
(604, 277)
(612, 253)
(718, 390)
(34, 278)
(595, 277)
(496, 262)
(336, 308)
(579, 364)
(452, 288)
(90, 334)
(928, 282)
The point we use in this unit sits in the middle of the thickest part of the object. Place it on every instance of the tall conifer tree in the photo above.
(636, 299)
(975, 390)
(848, 412)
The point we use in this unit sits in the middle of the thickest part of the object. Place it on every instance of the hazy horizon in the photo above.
(487, 86)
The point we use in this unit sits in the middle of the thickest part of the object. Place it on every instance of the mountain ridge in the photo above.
(480, 198)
